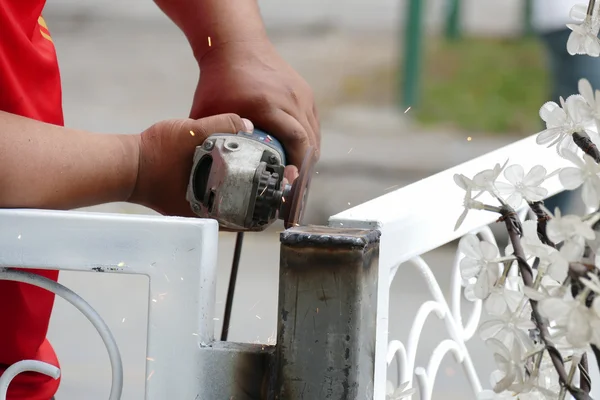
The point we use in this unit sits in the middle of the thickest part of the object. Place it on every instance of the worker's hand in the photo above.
(166, 153)
(252, 80)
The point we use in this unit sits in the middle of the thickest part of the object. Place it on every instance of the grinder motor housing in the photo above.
(237, 180)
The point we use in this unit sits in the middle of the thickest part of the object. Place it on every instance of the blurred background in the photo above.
(405, 88)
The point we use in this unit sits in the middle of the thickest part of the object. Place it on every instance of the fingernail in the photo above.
(248, 124)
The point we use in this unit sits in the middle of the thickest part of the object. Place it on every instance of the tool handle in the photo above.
(269, 140)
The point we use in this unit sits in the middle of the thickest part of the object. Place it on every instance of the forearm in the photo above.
(223, 21)
(48, 166)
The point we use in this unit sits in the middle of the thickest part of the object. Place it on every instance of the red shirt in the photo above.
(30, 87)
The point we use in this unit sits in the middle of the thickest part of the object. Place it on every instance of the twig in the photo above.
(584, 376)
(542, 222)
(586, 144)
(513, 226)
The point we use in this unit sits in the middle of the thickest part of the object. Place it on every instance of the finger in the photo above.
(316, 124)
(289, 131)
(290, 174)
(222, 123)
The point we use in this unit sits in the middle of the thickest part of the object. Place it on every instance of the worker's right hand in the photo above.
(166, 152)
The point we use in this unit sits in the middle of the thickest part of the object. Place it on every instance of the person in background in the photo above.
(244, 81)
(549, 19)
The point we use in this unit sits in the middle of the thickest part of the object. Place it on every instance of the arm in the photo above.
(224, 21)
(48, 166)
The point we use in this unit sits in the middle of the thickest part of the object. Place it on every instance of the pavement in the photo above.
(122, 77)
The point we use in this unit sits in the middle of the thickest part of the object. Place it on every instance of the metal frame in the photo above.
(177, 254)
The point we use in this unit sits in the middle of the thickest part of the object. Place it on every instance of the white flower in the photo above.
(399, 393)
(586, 174)
(480, 262)
(502, 298)
(593, 101)
(485, 180)
(572, 231)
(582, 40)
(509, 364)
(577, 322)
(561, 123)
(509, 328)
(552, 262)
(522, 186)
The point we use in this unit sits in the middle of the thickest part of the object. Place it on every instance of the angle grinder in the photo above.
(237, 179)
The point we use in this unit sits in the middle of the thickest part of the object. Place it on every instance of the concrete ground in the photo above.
(123, 77)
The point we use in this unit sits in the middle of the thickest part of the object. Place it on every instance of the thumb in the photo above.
(222, 123)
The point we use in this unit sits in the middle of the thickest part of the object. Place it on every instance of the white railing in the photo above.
(179, 255)
(413, 221)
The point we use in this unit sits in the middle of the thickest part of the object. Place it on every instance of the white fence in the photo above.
(415, 220)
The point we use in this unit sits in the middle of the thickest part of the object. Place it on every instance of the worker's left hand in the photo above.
(253, 81)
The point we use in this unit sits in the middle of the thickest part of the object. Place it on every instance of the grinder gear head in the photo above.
(237, 179)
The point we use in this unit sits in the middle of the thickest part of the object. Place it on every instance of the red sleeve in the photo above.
(30, 87)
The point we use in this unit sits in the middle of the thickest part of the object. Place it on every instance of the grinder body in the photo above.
(237, 179)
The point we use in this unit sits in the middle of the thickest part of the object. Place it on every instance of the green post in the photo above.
(527, 16)
(412, 54)
(453, 20)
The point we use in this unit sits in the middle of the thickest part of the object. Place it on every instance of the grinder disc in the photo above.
(295, 201)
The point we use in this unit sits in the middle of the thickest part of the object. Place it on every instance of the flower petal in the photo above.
(469, 246)
(488, 250)
(571, 178)
(553, 308)
(514, 174)
(469, 268)
(535, 176)
(585, 88)
(590, 195)
(495, 304)
(578, 12)
(578, 328)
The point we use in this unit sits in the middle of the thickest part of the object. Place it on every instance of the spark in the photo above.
(391, 187)
(182, 278)
(317, 172)
(283, 199)
(121, 264)
(150, 376)
(19, 237)
(123, 320)
(348, 203)
(194, 334)
(263, 192)
(149, 358)
(258, 317)
(407, 110)
(469, 139)
(350, 151)
(255, 304)
(216, 319)
(192, 133)
(209, 42)
(154, 300)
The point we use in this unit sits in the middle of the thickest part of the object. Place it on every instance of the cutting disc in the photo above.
(295, 201)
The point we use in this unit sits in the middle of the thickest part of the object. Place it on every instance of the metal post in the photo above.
(453, 20)
(412, 54)
(527, 17)
(327, 314)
